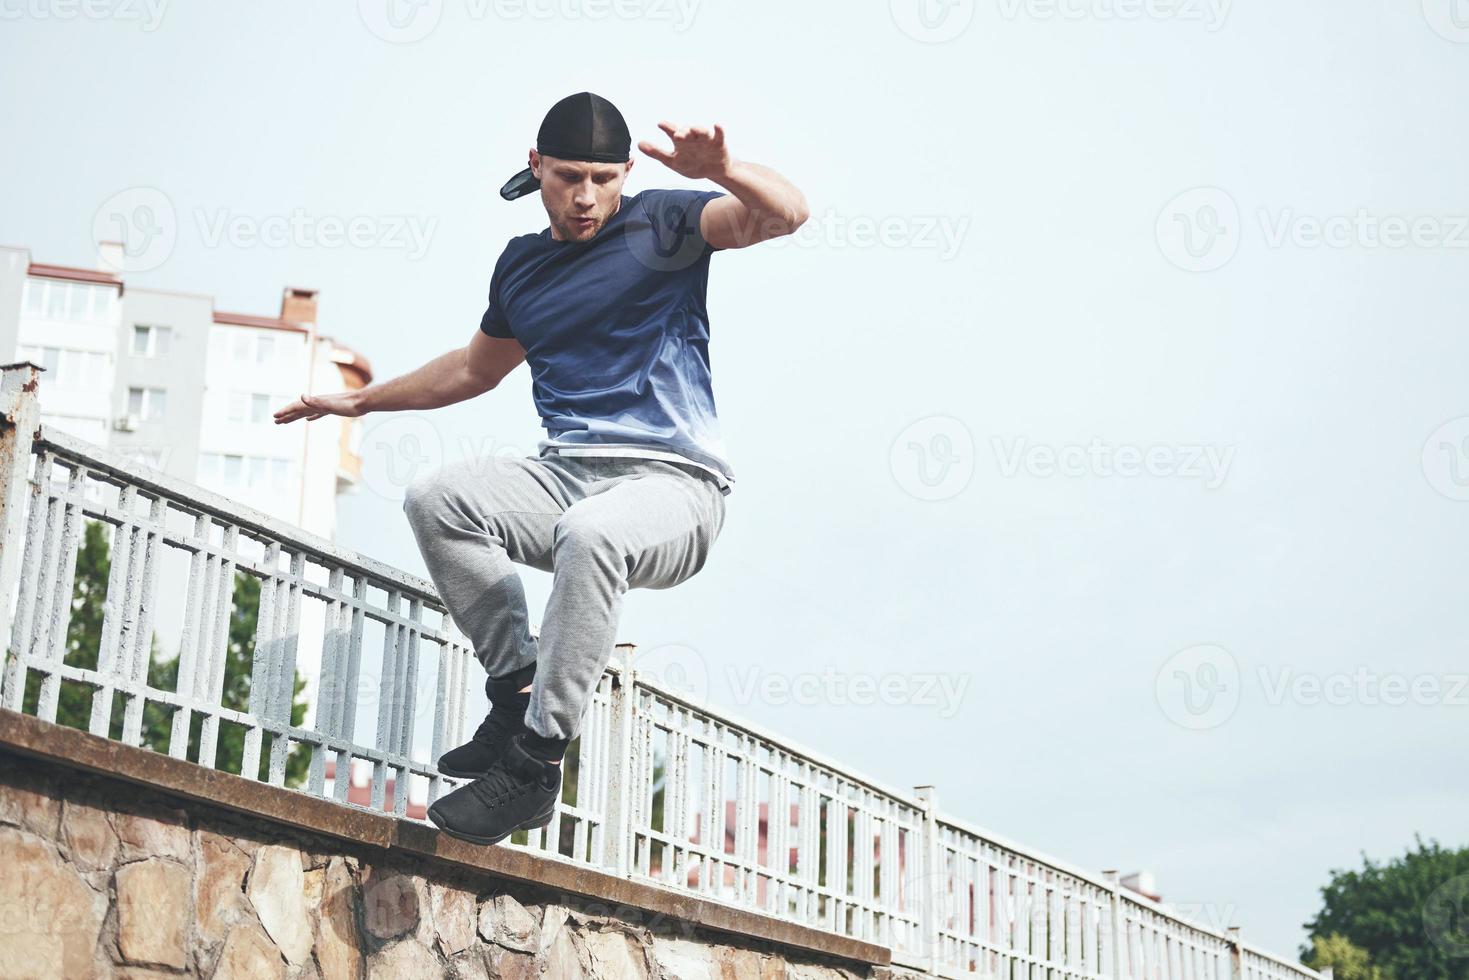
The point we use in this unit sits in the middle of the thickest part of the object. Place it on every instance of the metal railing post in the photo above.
(1236, 960)
(621, 771)
(20, 411)
(1114, 882)
(930, 913)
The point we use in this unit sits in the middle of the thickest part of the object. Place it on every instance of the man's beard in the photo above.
(569, 231)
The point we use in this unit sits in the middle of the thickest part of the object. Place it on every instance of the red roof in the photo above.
(267, 322)
(74, 274)
(351, 360)
(362, 794)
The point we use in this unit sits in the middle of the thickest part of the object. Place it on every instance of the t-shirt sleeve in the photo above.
(493, 322)
(675, 215)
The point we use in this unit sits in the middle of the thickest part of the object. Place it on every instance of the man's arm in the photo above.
(760, 205)
(453, 377)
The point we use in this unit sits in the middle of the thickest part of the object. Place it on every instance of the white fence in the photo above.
(666, 790)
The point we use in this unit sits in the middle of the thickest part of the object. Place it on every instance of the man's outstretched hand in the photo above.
(313, 407)
(698, 153)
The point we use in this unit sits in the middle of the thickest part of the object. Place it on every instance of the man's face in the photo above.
(579, 196)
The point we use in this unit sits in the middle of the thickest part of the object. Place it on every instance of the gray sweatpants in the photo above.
(600, 525)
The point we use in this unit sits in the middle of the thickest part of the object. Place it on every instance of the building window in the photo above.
(151, 341)
(60, 300)
(147, 404)
(34, 302)
(264, 350)
(67, 368)
(231, 472)
(249, 406)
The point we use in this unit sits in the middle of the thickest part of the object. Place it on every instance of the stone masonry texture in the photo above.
(107, 879)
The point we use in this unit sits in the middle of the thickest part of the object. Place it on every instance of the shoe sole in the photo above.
(533, 823)
(462, 774)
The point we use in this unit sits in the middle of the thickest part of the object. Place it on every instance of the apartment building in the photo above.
(168, 380)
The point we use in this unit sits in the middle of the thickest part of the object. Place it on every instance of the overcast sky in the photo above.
(1102, 442)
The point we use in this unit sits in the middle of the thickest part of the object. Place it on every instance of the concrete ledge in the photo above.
(65, 746)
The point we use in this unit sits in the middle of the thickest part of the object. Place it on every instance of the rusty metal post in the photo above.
(1236, 960)
(20, 413)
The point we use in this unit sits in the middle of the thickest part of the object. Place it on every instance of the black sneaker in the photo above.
(518, 793)
(505, 720)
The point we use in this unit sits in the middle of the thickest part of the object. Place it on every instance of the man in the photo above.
(607, 306)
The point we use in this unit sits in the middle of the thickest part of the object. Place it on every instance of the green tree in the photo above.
(1349, 962)
(83, 640)
(1410, 916)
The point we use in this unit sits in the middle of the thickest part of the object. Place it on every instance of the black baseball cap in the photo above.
(583, 126)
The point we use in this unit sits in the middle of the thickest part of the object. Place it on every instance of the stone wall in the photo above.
(104, 878)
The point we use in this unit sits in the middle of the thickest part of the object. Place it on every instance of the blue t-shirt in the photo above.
(616, 333)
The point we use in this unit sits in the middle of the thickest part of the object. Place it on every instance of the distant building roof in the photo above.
(350, 360)
(266, 322)
(74, 274)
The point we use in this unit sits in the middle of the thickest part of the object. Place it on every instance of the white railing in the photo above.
(667, 790)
